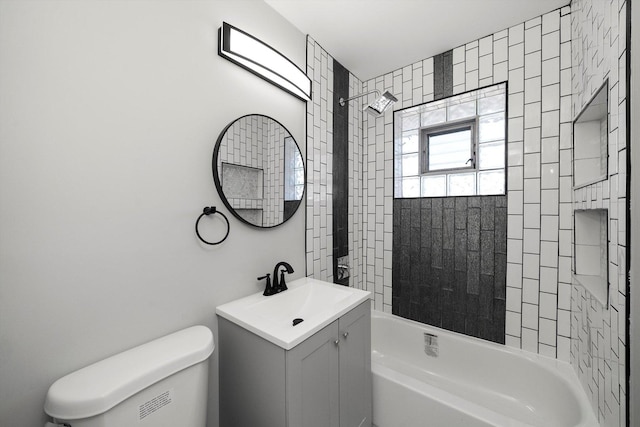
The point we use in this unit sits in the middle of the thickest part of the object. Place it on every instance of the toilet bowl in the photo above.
(162, 383)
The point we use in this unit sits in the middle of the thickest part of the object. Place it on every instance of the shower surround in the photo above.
(534, 58)
(544, 312)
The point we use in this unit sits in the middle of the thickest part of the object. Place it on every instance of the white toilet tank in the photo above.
(162, 383)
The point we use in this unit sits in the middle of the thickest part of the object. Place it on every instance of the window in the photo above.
(448, 147)
(293, 171)
(452, 147)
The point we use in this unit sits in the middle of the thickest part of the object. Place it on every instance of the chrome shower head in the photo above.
(377, 107)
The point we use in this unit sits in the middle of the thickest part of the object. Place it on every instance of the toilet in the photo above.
(161, 383)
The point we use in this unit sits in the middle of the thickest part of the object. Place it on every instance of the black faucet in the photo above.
(280, 285)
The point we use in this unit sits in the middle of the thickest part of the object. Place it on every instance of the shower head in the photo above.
(377, 107)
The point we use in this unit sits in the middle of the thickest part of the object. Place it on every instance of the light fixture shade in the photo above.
(262, 60)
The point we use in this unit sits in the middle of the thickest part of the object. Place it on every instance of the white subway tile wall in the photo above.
(320, 168)
(356, 238)
(598, 335)
(530, 57)
(545, 313)
(319, 163)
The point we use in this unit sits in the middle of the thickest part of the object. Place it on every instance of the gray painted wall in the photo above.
(108, 119)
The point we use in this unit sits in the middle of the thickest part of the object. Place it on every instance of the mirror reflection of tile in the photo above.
(242, 182)
(253, 216)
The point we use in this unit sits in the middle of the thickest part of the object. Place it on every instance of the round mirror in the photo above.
(258, 171)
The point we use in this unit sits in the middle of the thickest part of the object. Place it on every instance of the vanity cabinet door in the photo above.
(252, 378)
(313, 393)
(355, 367)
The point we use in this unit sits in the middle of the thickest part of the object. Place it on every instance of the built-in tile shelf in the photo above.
(591, 252)
(591, 140)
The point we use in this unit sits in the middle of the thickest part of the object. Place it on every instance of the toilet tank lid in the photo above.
(97, 388)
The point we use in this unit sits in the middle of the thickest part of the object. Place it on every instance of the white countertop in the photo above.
(271, 317)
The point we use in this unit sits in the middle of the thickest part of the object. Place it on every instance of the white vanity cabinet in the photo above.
(324, 381)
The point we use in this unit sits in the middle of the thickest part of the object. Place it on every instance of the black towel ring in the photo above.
(209, 211)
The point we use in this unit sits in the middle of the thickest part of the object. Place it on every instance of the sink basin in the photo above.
(316, 302)
(305, 302)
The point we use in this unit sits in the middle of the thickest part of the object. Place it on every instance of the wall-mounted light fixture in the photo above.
(262, 60)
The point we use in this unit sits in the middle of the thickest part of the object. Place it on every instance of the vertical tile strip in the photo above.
(320, 168)
(319, 235)
(340, 168)
(438, 77)
(443, 75)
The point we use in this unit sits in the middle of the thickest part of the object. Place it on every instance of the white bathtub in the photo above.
(470, 383)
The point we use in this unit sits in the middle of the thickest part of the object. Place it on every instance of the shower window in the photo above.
(452, 147)
(448, 147)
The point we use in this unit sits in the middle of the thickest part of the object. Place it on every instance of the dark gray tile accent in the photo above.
(449, 263)
(461, 213)
(449, 203)
(461, 250)
(500, 276)
(436, 248)
(290, 207)
(443, 75)
(500, 229)
(436, 213)
(487, 204)
(473, 229)
(340, 171)
(438, 77)
(425, 232)
(473, 272)
(474, 202)
(448, 229)
(487, 249)
(447, 68)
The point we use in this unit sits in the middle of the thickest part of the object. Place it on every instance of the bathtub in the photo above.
(466, 381)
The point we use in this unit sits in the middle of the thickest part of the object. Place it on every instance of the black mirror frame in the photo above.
(218, 183)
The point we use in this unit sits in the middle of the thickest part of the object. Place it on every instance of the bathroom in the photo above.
(98, 251)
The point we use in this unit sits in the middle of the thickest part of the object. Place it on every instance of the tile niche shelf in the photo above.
(591, 253)
(591, 140)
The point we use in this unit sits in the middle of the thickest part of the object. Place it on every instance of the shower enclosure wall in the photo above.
(553, 64)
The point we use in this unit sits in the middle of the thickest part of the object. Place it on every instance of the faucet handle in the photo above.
(268, 289)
